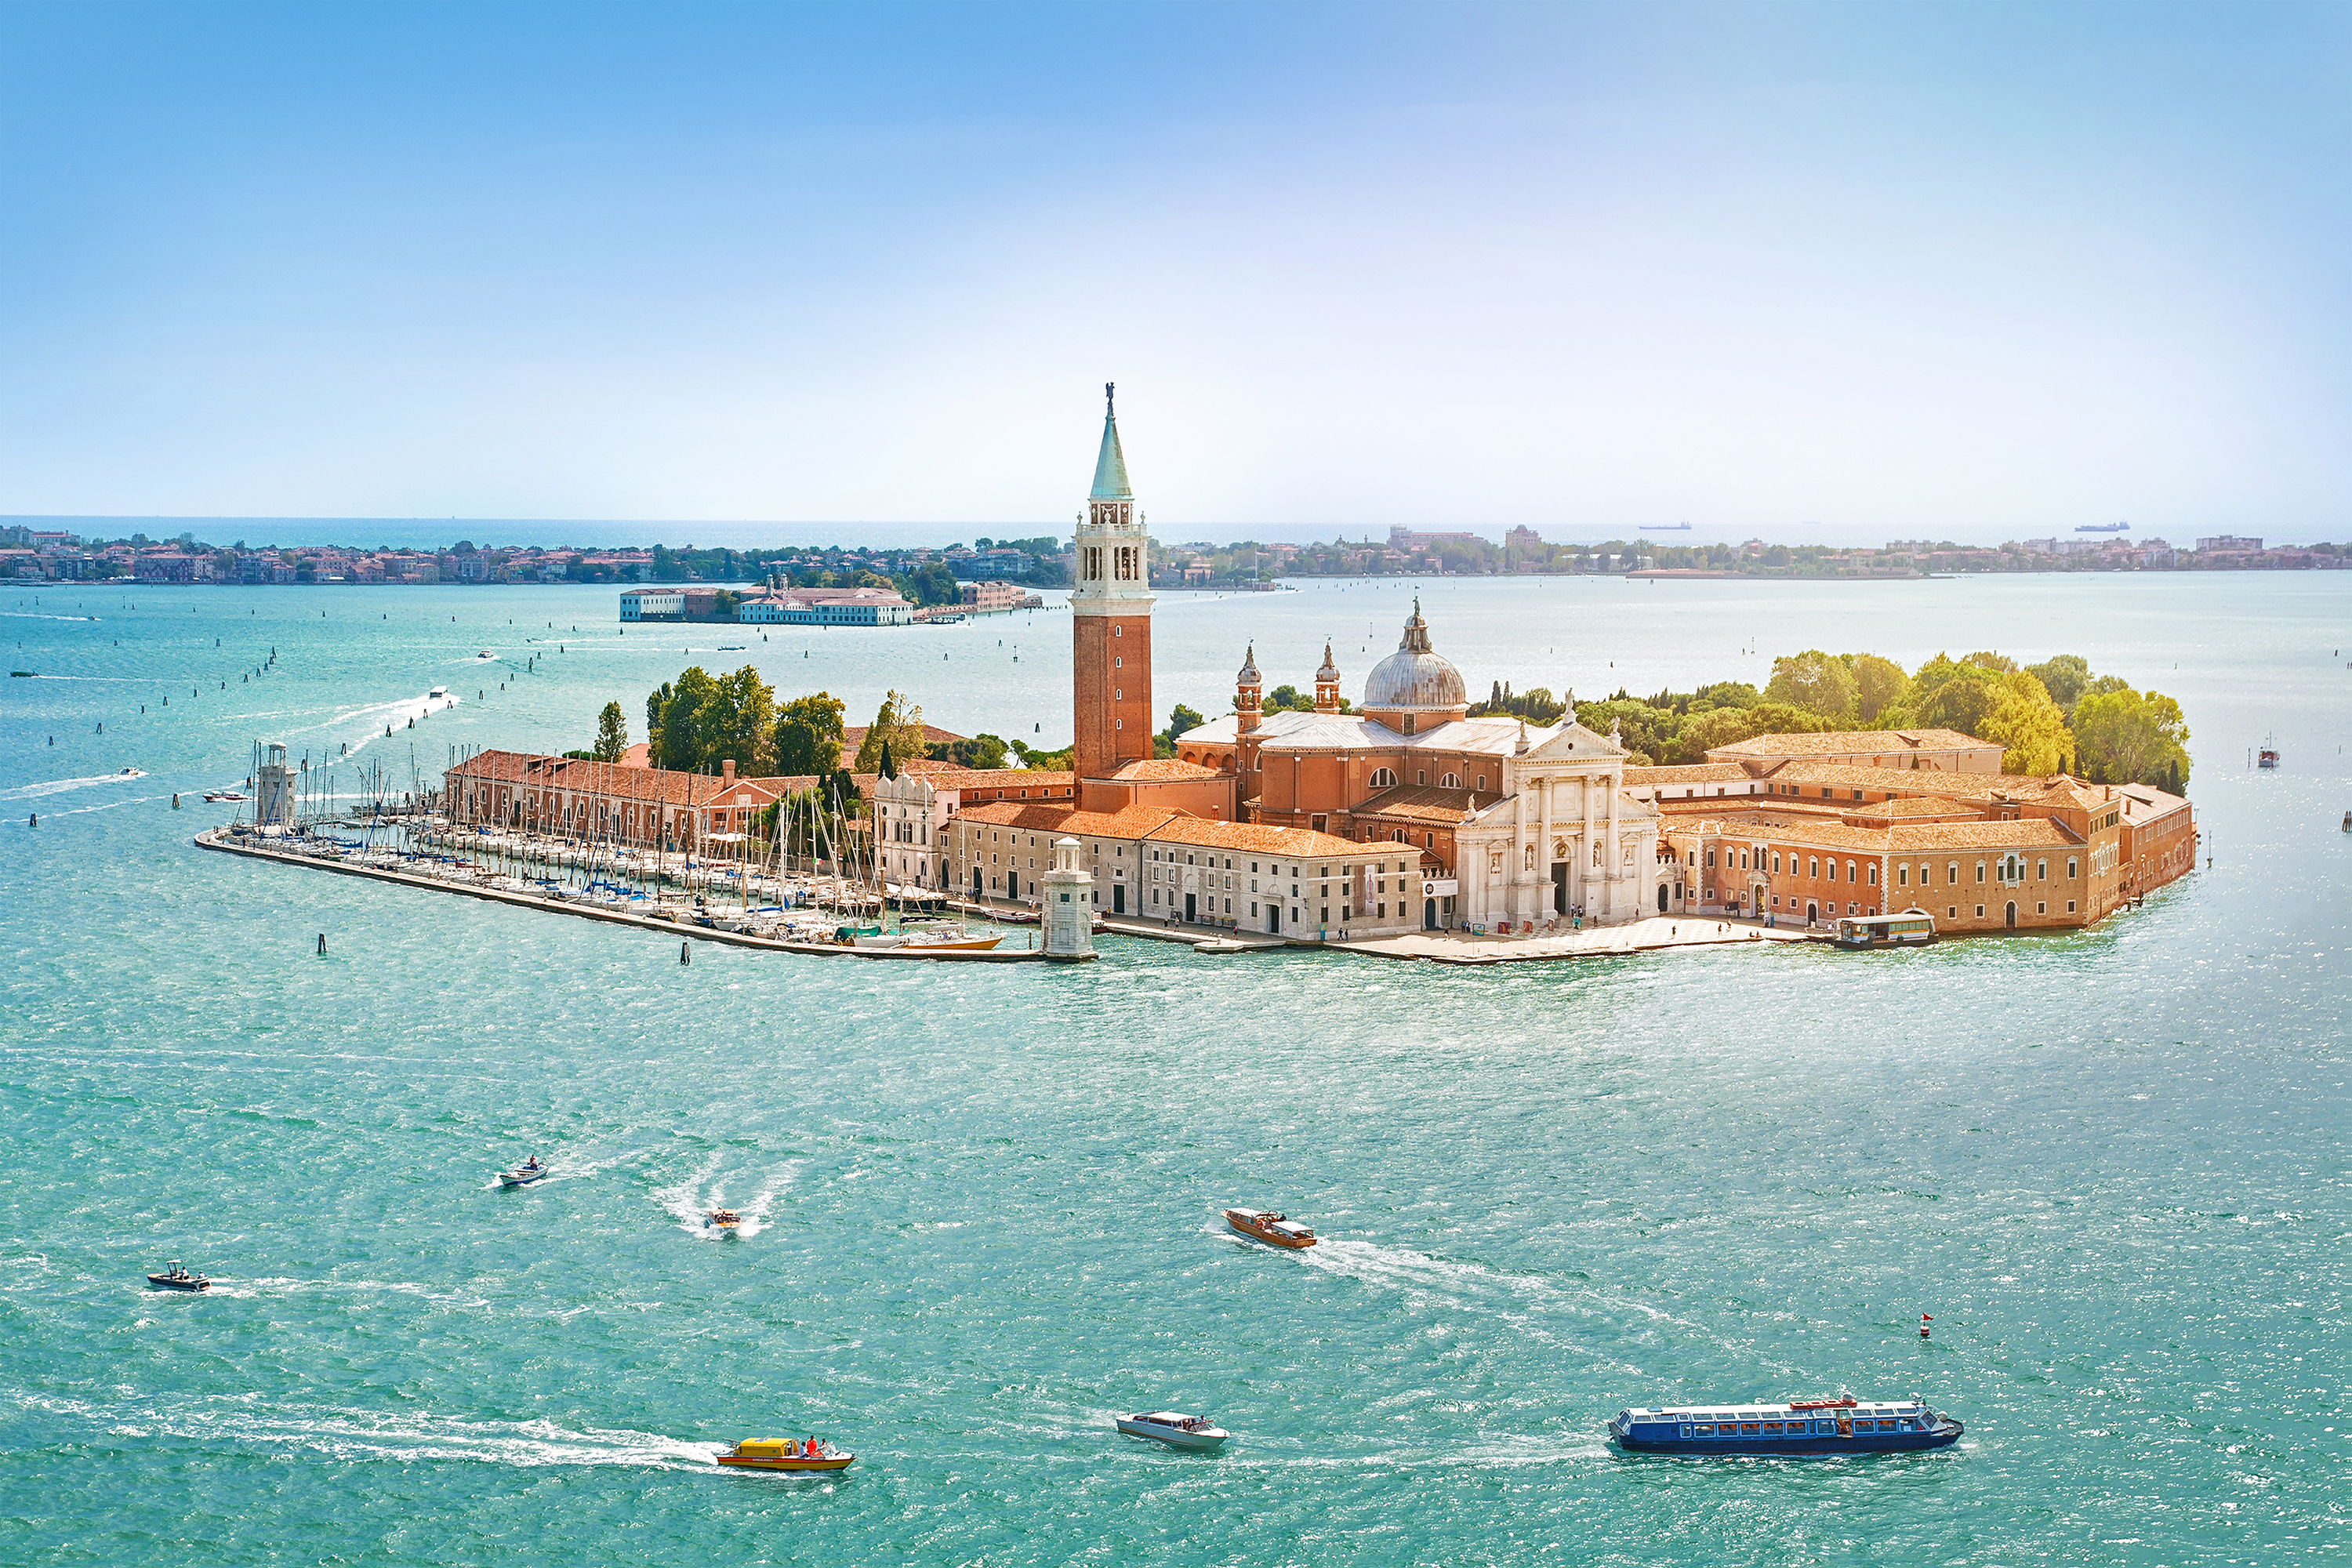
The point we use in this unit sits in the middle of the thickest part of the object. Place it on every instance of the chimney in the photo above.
(727, 770)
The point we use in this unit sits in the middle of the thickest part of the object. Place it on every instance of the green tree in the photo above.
(1059, 762)
(699, 721)
(2031, 728)
(2063, 676)
(1650, 734)
(1999, 663)
(808, 735)
(1951, 695)
(2125, 737)
(1702, 732)
(979, 752)
(898, 728)
(1181, 719)
(1815, 682)
(1879, 685)
(611, 733)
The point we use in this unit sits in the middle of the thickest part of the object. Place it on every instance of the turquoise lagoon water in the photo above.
(2111, 1164)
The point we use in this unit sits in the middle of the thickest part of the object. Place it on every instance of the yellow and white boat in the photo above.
(783, 1454)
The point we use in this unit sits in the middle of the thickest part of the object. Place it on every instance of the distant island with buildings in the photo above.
(942, 578)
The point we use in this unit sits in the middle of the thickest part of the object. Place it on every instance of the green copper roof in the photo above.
(1111, 468)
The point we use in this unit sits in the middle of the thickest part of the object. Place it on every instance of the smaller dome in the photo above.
(1330, 674)
(1249, 675)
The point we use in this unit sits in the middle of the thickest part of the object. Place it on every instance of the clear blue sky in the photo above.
(1884, 270)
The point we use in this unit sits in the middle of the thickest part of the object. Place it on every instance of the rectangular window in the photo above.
(2042, 909)
(1979, 873)
(1952, 874)
(2070, 873)
(2070, 906)
(1873, 876)
(1814, 868)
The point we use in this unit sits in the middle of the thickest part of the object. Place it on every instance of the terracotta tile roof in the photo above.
(1914, 807)
(1161, 769)
(1688, 772)
(1133, 822)
(1423, 803)
(853, 735)
(1258, 838)
(1031, 779)
(1849, 743)
(1898, 838)
(527, 771)
(2025, 833)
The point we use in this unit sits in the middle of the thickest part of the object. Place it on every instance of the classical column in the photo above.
(1543, 851)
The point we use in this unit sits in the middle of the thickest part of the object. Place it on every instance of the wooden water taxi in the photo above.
(1273, 1229)
(784, 1454)
(723, 1221)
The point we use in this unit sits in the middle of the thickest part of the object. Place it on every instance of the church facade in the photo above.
(1515, 825)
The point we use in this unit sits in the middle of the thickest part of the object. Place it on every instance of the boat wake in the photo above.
(691, 1201)
(58, 787)
(242, 1421)
(1519, 1299)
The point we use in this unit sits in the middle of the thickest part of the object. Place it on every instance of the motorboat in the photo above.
(1799, 1426)
(438, 694)
(524, 1175)
(484, 652)
(1273, 1229)
(1196, 1433)
(217, 796)
(783, 1454)
(179, 1279)
(141, 772)
(723, 1221)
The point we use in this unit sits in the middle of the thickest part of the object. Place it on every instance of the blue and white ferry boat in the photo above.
(1839, 1426)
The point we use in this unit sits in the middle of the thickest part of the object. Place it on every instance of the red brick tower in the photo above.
(1110, 623)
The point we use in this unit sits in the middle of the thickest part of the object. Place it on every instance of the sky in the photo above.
(1840, 272)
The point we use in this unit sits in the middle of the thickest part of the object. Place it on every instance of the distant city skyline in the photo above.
(1810, 273)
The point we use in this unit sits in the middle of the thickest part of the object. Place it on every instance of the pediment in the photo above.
(1573, 742)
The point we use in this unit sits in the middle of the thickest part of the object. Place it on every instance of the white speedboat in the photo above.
(524, 1175)
(141, 772)
(217, 796)
(438, 694)
(1196, 1433)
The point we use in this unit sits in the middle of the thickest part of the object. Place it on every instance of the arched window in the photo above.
(1451, 781)
(1383, 778)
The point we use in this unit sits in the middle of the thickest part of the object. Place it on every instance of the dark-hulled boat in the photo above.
(1802, 1427)
(179, 1279)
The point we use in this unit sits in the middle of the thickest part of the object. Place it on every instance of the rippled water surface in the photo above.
(981, 1200)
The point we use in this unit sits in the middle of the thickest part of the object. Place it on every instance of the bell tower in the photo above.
(1111, 620)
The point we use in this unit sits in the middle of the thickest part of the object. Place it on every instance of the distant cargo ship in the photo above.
(1666, 527)
(2102, 527)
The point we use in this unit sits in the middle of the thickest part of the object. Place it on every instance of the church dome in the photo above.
(1415, 677)
(1248, 674)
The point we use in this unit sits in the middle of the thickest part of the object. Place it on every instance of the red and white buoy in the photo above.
(1924, 1320)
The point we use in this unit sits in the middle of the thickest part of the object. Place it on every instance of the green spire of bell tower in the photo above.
(1110, 468)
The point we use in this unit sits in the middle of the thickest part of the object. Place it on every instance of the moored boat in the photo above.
(179, 1279)
(1800, 1427)
(217, 796)
(1195, 1434)
(783, 1454)
(1273, 1229)
(1914, 927)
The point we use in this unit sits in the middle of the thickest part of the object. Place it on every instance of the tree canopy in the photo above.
(808, 735)
(2127, 736)
(896, 732)
(1815, 682)
(611, 733)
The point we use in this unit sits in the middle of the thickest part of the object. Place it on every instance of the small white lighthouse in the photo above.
(273, 802)
(1069, 903)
